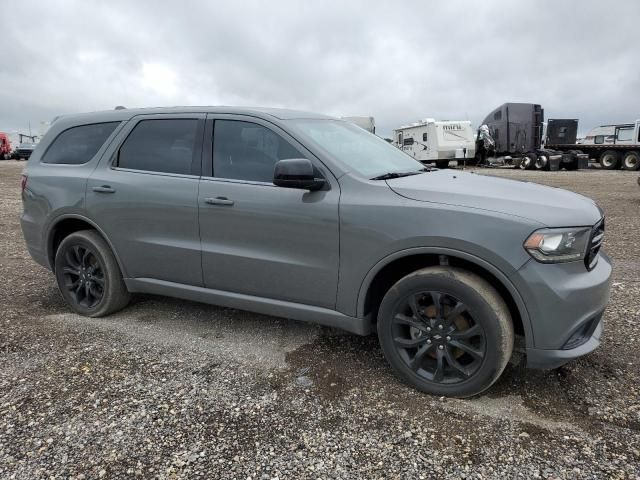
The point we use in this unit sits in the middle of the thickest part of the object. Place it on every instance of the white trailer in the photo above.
(437, 141)
(368, 123)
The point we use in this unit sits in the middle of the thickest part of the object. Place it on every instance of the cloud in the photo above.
(397, 61)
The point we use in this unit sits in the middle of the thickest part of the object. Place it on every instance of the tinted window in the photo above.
(497, 115)
(78, 145)
(248, 151)
(165, 146)
(408, 141)
(599, 139)
(424, 137)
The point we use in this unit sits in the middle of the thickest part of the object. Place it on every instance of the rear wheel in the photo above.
(541, 162)
(631, 161)
(609, 160)
(445, 331)
(528, 161)
(88, 275)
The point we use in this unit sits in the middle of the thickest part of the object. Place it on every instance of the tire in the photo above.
(406, 331)
(609, 160)
(528, 161)
(541, 163)
(442, 163)
(631, 161)
(85, 259)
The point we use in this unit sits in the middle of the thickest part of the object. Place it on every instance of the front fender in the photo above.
(450, 252)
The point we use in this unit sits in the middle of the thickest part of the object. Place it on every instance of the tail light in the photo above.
(23, 183)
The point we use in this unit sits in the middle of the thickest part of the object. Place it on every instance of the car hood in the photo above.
(552, 207)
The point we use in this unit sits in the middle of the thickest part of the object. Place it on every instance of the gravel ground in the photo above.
(173, 389)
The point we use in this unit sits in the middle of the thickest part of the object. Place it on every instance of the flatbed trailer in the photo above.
(620, 150)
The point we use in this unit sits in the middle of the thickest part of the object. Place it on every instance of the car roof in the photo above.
(126, 113)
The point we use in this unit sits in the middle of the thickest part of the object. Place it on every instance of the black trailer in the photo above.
(516, 130)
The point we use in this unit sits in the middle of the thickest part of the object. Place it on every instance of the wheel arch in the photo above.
(66, 224)
(395, 266)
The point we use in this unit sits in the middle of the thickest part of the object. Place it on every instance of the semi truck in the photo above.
(439, 142)
(515, 133)
(5, 146)
(612, 146)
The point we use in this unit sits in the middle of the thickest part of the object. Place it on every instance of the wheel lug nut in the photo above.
(428, 329)
(429, 341)
(448, 338)
(441, 347)
(440, 327)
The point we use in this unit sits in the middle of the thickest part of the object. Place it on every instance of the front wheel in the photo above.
(445, 331)
(88, 275)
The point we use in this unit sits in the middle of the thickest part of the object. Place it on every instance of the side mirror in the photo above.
(296, 173)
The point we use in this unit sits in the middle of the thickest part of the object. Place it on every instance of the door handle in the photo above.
(104, 189)
(218, 201)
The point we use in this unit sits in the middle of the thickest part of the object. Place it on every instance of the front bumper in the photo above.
(565, 303)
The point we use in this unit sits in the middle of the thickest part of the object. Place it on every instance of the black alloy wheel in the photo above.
(83, 276)
(437, 337)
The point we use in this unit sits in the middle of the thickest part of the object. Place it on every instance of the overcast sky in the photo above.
(397, 61)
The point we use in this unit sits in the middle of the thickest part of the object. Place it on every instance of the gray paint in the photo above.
(312, 255)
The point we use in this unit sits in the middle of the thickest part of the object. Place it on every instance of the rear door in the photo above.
(144, 196)
(259, 239)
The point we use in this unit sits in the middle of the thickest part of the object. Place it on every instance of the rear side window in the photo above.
(165, 146)
(248, 151)
(408, 141)
(78, 145)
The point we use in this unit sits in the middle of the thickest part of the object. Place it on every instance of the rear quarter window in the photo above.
(78, 145)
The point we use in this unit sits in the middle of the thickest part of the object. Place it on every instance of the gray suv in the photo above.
(308, 217)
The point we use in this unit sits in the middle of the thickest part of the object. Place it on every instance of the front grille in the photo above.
(595, 242)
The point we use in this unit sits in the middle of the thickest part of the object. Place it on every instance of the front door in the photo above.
(259, 239)
(144, 193)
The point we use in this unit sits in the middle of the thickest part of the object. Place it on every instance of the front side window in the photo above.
(78, 145)
(497, 115)
(163, 145)
(598, 139)
(248, 151)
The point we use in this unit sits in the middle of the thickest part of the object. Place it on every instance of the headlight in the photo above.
(557, 245)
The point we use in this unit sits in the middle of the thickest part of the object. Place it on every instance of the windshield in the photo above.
(356, 149)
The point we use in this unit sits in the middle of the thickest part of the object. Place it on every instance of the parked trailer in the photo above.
(613, 146)
(437, 141)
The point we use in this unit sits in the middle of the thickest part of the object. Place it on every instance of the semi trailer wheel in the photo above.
(609, 160)
(442, 163)
(541, 162)
(631, 161)
(528, 161)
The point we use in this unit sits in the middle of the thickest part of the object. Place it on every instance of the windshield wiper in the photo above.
(390, 175)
